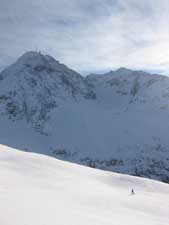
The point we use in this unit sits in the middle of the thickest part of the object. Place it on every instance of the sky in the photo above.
(88, 35)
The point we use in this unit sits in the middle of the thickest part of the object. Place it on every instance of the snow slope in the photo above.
(40, 190)
(117, 121)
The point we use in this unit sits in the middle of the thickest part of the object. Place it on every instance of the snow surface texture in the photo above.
(41, 190)
(117, 121)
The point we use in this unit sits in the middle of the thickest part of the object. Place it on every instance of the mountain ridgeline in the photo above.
(117, 121)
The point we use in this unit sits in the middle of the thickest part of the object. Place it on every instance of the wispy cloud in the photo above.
(88, 34)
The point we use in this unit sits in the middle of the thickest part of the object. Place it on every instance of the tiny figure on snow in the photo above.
(132, 191)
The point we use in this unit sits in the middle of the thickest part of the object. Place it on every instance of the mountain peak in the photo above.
(124, 70)
(35, 63)
(31, 54)
(32, 58)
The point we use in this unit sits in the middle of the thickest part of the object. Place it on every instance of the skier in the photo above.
(132, 191)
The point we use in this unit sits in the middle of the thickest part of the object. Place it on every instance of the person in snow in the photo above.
(132, 191)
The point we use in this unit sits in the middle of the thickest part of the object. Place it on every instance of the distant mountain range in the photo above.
(117, 121)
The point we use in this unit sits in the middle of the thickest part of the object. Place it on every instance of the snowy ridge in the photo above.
(116, 121)
(36, 190)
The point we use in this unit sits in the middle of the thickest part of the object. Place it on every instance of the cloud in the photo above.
(88, 34)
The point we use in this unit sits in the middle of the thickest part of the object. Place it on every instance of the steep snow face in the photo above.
(116, 121)
(137, 108)
(126, 88)
(36, 190)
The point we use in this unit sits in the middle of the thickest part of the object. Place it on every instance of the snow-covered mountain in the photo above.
(35, 85)
(117, 121)
(37, 190)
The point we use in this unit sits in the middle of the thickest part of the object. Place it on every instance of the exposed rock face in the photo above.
(117, 121)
